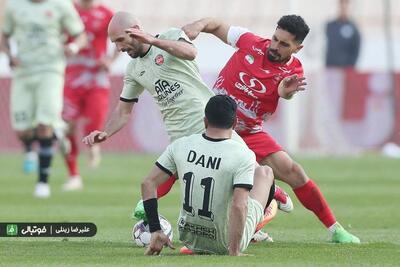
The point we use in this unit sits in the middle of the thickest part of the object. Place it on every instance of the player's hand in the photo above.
(157, 241)
(94, 138)
(14, 62)
(140, 35)
(192, 30)
(71, 49)
(104, 63)
(291, 85)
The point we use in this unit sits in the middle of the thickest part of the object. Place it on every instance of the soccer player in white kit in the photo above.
(221, 203)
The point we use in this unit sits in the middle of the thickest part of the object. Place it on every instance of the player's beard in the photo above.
(273, 56)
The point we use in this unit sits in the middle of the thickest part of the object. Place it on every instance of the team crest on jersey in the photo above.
(249, 59)
(49, 14)
(159, 60)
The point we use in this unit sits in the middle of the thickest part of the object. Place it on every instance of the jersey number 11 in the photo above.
(208, 185)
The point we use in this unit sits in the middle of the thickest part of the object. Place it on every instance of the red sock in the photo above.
(164, 188)
(71, 157)
(311, 198)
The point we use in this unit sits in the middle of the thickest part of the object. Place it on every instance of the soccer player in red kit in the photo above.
(258, 74)
(86, 89)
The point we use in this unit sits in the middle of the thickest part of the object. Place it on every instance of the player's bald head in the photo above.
(120, 22)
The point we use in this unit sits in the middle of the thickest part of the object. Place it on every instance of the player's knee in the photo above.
(44, 131)
(25, 135)
(265, 173)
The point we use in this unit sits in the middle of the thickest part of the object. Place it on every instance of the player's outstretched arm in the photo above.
(118, 119)
(208, 25)
(78, 42)
(237, 219)
(149, 195)
(180, 48)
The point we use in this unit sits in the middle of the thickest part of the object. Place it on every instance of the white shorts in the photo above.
(36, 99)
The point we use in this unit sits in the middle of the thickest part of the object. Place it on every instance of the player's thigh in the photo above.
(72, 104)
(22, 103)
(286, 169)
(255, 214)
(95, 108)
(49, 98)
(262, 144)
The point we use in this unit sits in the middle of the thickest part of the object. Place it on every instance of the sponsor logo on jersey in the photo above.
(167, 92)
(159, 60)
(49, 14)
(249, 85)
(249, 58)
(258, 50)
(141, 73)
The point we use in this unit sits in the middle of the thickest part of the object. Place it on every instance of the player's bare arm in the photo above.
(180, 48)
(5, 47)
(106, 61)
(291, 85)
(208, 25)
(117, 121)
(79, 41)
(149, 195)
(237, 219)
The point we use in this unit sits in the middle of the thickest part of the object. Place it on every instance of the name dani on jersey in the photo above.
(204, 161)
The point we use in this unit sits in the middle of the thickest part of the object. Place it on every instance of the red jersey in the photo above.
(83, 68)
(252, 80)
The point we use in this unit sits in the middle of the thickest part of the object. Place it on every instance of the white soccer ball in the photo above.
(141, 233)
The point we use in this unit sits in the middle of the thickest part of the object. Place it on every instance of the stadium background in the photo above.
(338, 113)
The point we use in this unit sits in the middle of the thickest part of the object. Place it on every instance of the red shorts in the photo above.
(262, 144)
(91, 104)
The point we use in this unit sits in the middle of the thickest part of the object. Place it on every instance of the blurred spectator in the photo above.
(343, 39)
(342, 50)
(37, 26)
(87, 86)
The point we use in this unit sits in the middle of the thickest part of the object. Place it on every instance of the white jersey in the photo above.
(208, 171)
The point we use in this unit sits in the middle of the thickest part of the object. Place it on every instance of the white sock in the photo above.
(333, 227)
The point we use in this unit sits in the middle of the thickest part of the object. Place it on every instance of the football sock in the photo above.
(164, 188)
(28, 143)
(271, 195)
(45, 157)
(332, 228)
(311, 198)
(71, 157)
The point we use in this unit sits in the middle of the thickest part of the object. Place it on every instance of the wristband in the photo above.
(74, 48)
(151, 209)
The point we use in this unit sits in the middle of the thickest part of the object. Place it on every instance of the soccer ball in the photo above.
(141, 234)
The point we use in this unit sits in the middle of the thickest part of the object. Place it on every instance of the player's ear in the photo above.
(205, 122)
(298, 48)
(234, 123)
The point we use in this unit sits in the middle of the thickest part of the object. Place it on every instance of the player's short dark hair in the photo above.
(220, 111)
(295, 25)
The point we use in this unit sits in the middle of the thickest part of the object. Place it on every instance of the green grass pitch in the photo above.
(363, 192)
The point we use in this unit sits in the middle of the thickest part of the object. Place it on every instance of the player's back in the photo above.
(208, 170)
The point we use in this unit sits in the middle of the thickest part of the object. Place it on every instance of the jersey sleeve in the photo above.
(241, 38)
(244, 174)
(166, 161)
(71, 21)
(9, 24)
(175, 34)
(132, 89)
(234, 34)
